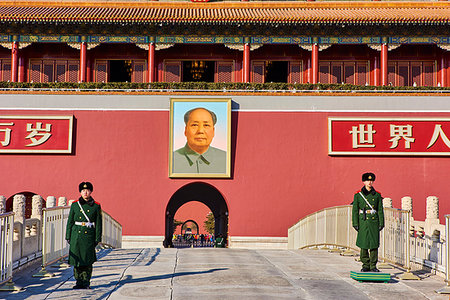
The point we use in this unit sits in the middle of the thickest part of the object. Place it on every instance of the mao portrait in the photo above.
(200, 138)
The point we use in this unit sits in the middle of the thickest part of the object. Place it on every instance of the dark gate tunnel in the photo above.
(201, 192)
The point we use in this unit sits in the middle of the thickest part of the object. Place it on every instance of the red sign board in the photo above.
(389, 136)
(36, 134)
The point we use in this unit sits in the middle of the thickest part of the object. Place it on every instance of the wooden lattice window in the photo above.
(403, 74)
(224, 72)
(324, 73)
(35, 71)
(295, 72)
(361, 74)
(138, 71)
(258, 72)
(172, 71)
(5, 70)
(336, 73)
(428, 74)
(48, 72)
(349, 73)
(60, 72)
(408, 73)
(101, 71)
(73, 70)
(53, 70)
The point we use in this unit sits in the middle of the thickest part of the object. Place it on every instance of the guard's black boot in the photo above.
(365, 269)
(374, 270)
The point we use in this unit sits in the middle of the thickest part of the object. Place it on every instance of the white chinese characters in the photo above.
(361, 137)
(438, 132)
(38, 131)
(7, 133)
(364, 136)
(37, 135)
(401, 131)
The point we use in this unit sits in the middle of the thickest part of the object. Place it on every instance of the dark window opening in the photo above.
(198, 70)
(120, 71)
(277, 71)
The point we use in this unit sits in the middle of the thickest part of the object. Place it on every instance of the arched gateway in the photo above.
(204, 193)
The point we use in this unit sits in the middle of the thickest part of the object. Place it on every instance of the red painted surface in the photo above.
(35, 134)
(384, 64)
(391, 137)
(281, 170)
(83, 59)
(151, 62)
(246, 63)
(14, 61)
(376, 71)
(193, 210)
(315, 63)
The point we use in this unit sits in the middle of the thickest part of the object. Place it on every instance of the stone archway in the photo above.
(189, 221)
(201, 192)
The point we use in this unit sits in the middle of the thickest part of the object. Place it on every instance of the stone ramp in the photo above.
(205, 273)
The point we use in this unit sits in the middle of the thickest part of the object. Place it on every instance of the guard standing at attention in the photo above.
(83, 233)
(368, 220)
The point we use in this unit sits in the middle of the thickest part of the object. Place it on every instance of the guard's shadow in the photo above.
(129, 279)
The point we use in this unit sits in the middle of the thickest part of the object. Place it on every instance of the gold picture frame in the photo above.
(200, 138)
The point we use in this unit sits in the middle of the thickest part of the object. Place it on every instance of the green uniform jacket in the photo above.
(369, 224)
(83, 239)
(186, 160)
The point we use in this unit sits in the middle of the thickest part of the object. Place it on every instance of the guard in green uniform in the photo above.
(83, 233)
(368, 220)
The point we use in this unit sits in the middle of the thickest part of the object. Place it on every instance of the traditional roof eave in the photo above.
(226, 13)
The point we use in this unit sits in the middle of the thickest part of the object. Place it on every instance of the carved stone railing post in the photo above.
(36, 213)
(387, 202)
(432, 214)
(407, 204)
(19, 208)
(51, 202)
(432, 207)
(62, 201)
(2, 204)
(19, 224)
(36, 207)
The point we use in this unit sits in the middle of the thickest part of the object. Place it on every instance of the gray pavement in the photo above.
(208, 273)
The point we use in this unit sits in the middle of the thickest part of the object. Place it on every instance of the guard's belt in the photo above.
(369, 211)
(87, 224)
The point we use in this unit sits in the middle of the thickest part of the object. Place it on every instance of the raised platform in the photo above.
(370, 276)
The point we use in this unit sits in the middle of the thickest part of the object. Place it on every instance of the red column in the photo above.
(315, 63)
(151, 62)
(246, 64)
(14, 61)
(21, 73)
(384, 64)
(443, 71)
(376, 71)
(83, 59)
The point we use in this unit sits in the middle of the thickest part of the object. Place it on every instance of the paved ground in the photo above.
(222, 274)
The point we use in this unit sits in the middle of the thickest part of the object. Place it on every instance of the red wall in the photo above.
(282, 171)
